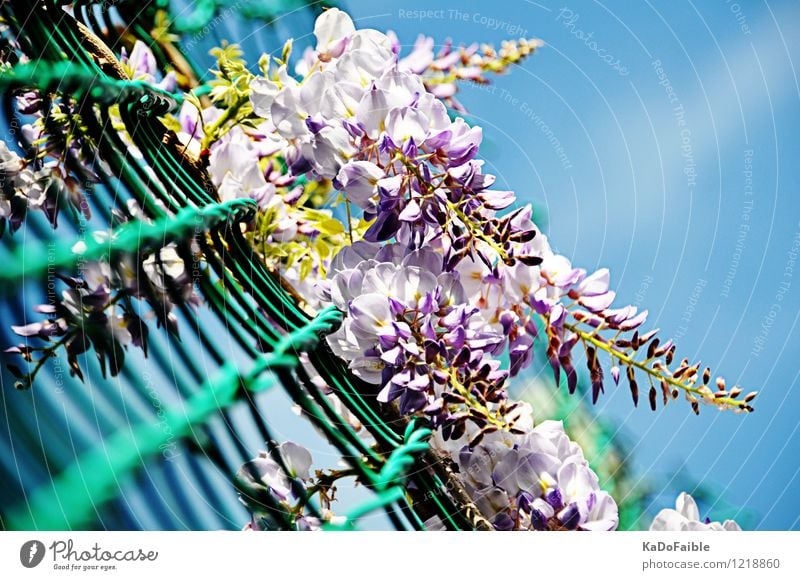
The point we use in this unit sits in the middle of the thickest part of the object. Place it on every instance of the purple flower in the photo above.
(359, 181)
(538, 480)
(141, 62)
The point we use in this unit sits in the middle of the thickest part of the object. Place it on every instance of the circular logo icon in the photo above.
(31, 553)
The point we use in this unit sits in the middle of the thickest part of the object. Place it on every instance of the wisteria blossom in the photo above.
(371, 202)
(141, 66)
(33, 185)
(441, 284)
(269, 487)
(686, 518)
(106, 307)
(535, 480)
(410, 331)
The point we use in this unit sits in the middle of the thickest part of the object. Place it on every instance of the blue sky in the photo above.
(661, 141)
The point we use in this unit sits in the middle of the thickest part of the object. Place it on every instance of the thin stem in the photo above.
(642, 365)
(349, 220)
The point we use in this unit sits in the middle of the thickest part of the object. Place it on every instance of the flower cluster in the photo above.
(441, 278)
(102, 308)
(686, 518)
(536, 480)
(275, 486)
(441, 70)
(141, 66)
(410, 329)
(369, 124)
(59, 156)
(386, 142)
(40, 181)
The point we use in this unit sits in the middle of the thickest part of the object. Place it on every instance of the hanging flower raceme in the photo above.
(686, 518)
(372, 198)
(106, 307)
(387, 143)
(409, 329)
(441, 279)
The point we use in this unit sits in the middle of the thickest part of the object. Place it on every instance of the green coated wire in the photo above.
(272, 292)
(90, 479)
(134, 234)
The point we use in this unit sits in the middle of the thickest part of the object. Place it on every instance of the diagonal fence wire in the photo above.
(238, 289)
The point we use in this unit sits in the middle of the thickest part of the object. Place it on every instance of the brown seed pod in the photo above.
(651, 349)
(634, 391)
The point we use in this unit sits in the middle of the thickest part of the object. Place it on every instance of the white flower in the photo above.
(564, 448)
(294, 103)
(403, 89)
(341, 100)
(233, 154)
(358, 180)
(167, 264)
(372, 110)
(250, 183)
(407, 123)
(332, 29)
(328, 151)
(604, 514)
(370, 40)
(10, 162)
(142, 62)
(369, 314)
(5, 207)
(686, 517)
(34, 184)
(265, 471)
(262, 94)
(297, 459)
(363, 66)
